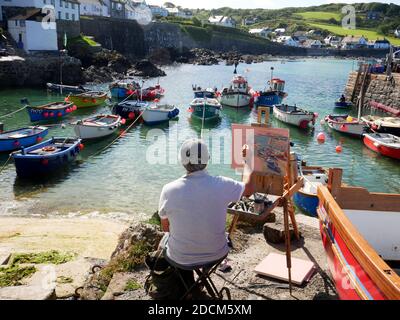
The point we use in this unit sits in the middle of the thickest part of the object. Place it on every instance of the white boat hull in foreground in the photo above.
(97, 127)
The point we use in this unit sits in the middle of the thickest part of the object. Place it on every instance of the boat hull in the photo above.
(236, 100)
(269, 99)
(343, 105)
(83, 102)
(375, 146)
(296, 119)
(119, 93)
(129, 109)
(28, 166)
(86, 132)
(350, 128)
(63, 89)
(49, 114)
(36, 135)
(306, 202)
(153, 117)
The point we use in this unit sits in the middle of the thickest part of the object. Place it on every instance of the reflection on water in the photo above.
(120, 178)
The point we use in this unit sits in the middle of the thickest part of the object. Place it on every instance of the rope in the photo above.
(11, 113)
(5, 164)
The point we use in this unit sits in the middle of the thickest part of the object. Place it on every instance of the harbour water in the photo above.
(121, 180)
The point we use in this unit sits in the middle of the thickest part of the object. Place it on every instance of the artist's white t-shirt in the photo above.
(196, 206)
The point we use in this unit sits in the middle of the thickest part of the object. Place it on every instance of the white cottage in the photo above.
(354, 42)
(287, 41)
(222, 21)
(263, 33)
(29, 33)
(100, 8)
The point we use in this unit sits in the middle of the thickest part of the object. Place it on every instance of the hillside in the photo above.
(326, 18)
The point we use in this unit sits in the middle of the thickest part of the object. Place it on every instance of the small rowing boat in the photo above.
(130, 109)
(47, 157)
(383, 124)
(25, 137)
(63, 89)
(87, 99)
(384, 143)
(49, 112)
(346, 124)
(342, 104)
(360, 234)
(306, 198)
(97, 127)
(294, 115)
(156, 114)
(204, 108)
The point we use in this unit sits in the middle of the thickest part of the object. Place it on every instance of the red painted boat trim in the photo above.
(351, 281)
(384, 150)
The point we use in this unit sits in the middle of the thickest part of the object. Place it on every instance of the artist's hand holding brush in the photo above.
(249, 176)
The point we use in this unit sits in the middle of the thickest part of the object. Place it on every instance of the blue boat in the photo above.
(343, 104)
(274, 95)
(25, 137)
(122, 89)
(130, 109)
(306, 198)
(46, 158)
(49, 112)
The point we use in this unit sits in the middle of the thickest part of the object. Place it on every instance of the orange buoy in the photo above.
(339, 149)
(321, 137)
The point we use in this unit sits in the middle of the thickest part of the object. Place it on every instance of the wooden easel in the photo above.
(285, 188)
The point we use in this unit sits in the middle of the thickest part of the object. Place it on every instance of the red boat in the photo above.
(383, 143)
(150, 93)
(361, 238)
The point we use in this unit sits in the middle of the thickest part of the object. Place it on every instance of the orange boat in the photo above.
(360, 233)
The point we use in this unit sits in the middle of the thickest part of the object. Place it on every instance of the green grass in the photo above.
(319, 15)
(51, 257)
(83, 40)
(132, 285)
(12, 275)
(369, 34)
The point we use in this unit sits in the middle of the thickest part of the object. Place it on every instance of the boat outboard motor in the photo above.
(25, 101)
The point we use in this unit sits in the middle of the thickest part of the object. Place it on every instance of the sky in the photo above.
(249, 4)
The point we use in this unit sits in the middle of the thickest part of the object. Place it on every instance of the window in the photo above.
(22, 23)
(73, 5)
(66, 16)
(66, 4)
(44, 1)
(59, 15)
(16, 22)
(73, 17)
(53, 2)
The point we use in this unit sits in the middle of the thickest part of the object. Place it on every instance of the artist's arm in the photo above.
(165, 225)
(249, 184)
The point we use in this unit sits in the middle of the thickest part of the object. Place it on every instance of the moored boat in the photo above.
(64, 89)
(294, 115)
(87, 99)
(343, 104)
(346, 124)
(156, 114)
(383, 124)
(237, 95)
(384, 143)
(204, 108)
(97, 127)
(124, 88)
(25, 137)
(204, 93)
(306, 198)
(47, 157)
(49, 112)
(360, 235)
(271, 96)
(130, 109)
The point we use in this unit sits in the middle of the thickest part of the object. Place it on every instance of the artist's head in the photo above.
(194, 155)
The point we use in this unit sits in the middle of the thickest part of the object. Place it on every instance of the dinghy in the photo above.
(237, 95)
(49, 112)
(340, 104)
(346, 124)
(97, 127)
(384, 143)
(360, 234)
(306, 198)
(87, 99)
(383, 124)
(25, 137)
(294, 115)
(204, 108)
(156, 114)
(47, 157)
(130, 109)
(63, 89)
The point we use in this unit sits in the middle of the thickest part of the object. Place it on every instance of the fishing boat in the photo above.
(130, 109)
(124, 88)
(384, 143)
(360, 234)
(204, 108)
(63, 89)
(294, 115)
(156, 114)
(207, 93)
(383, 124)
(150, 93)
(273, 95)
(88, 99)
(346, 124)
(25, 137)
(237, 95)
(47, 157)
(99, 126)
(49, 112)
(306, 198)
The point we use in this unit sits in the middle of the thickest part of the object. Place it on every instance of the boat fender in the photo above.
(303, 124)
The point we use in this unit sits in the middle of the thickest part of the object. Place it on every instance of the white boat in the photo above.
(294, 115)
(237, 95)
(346, 124)
(97, 127)
(156, 114)
(383, 124)
(204, 108)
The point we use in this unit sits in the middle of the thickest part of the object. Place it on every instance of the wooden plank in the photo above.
(334, 180)
(367, 257)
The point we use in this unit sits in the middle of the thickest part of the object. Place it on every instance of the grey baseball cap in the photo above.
(194, 151)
